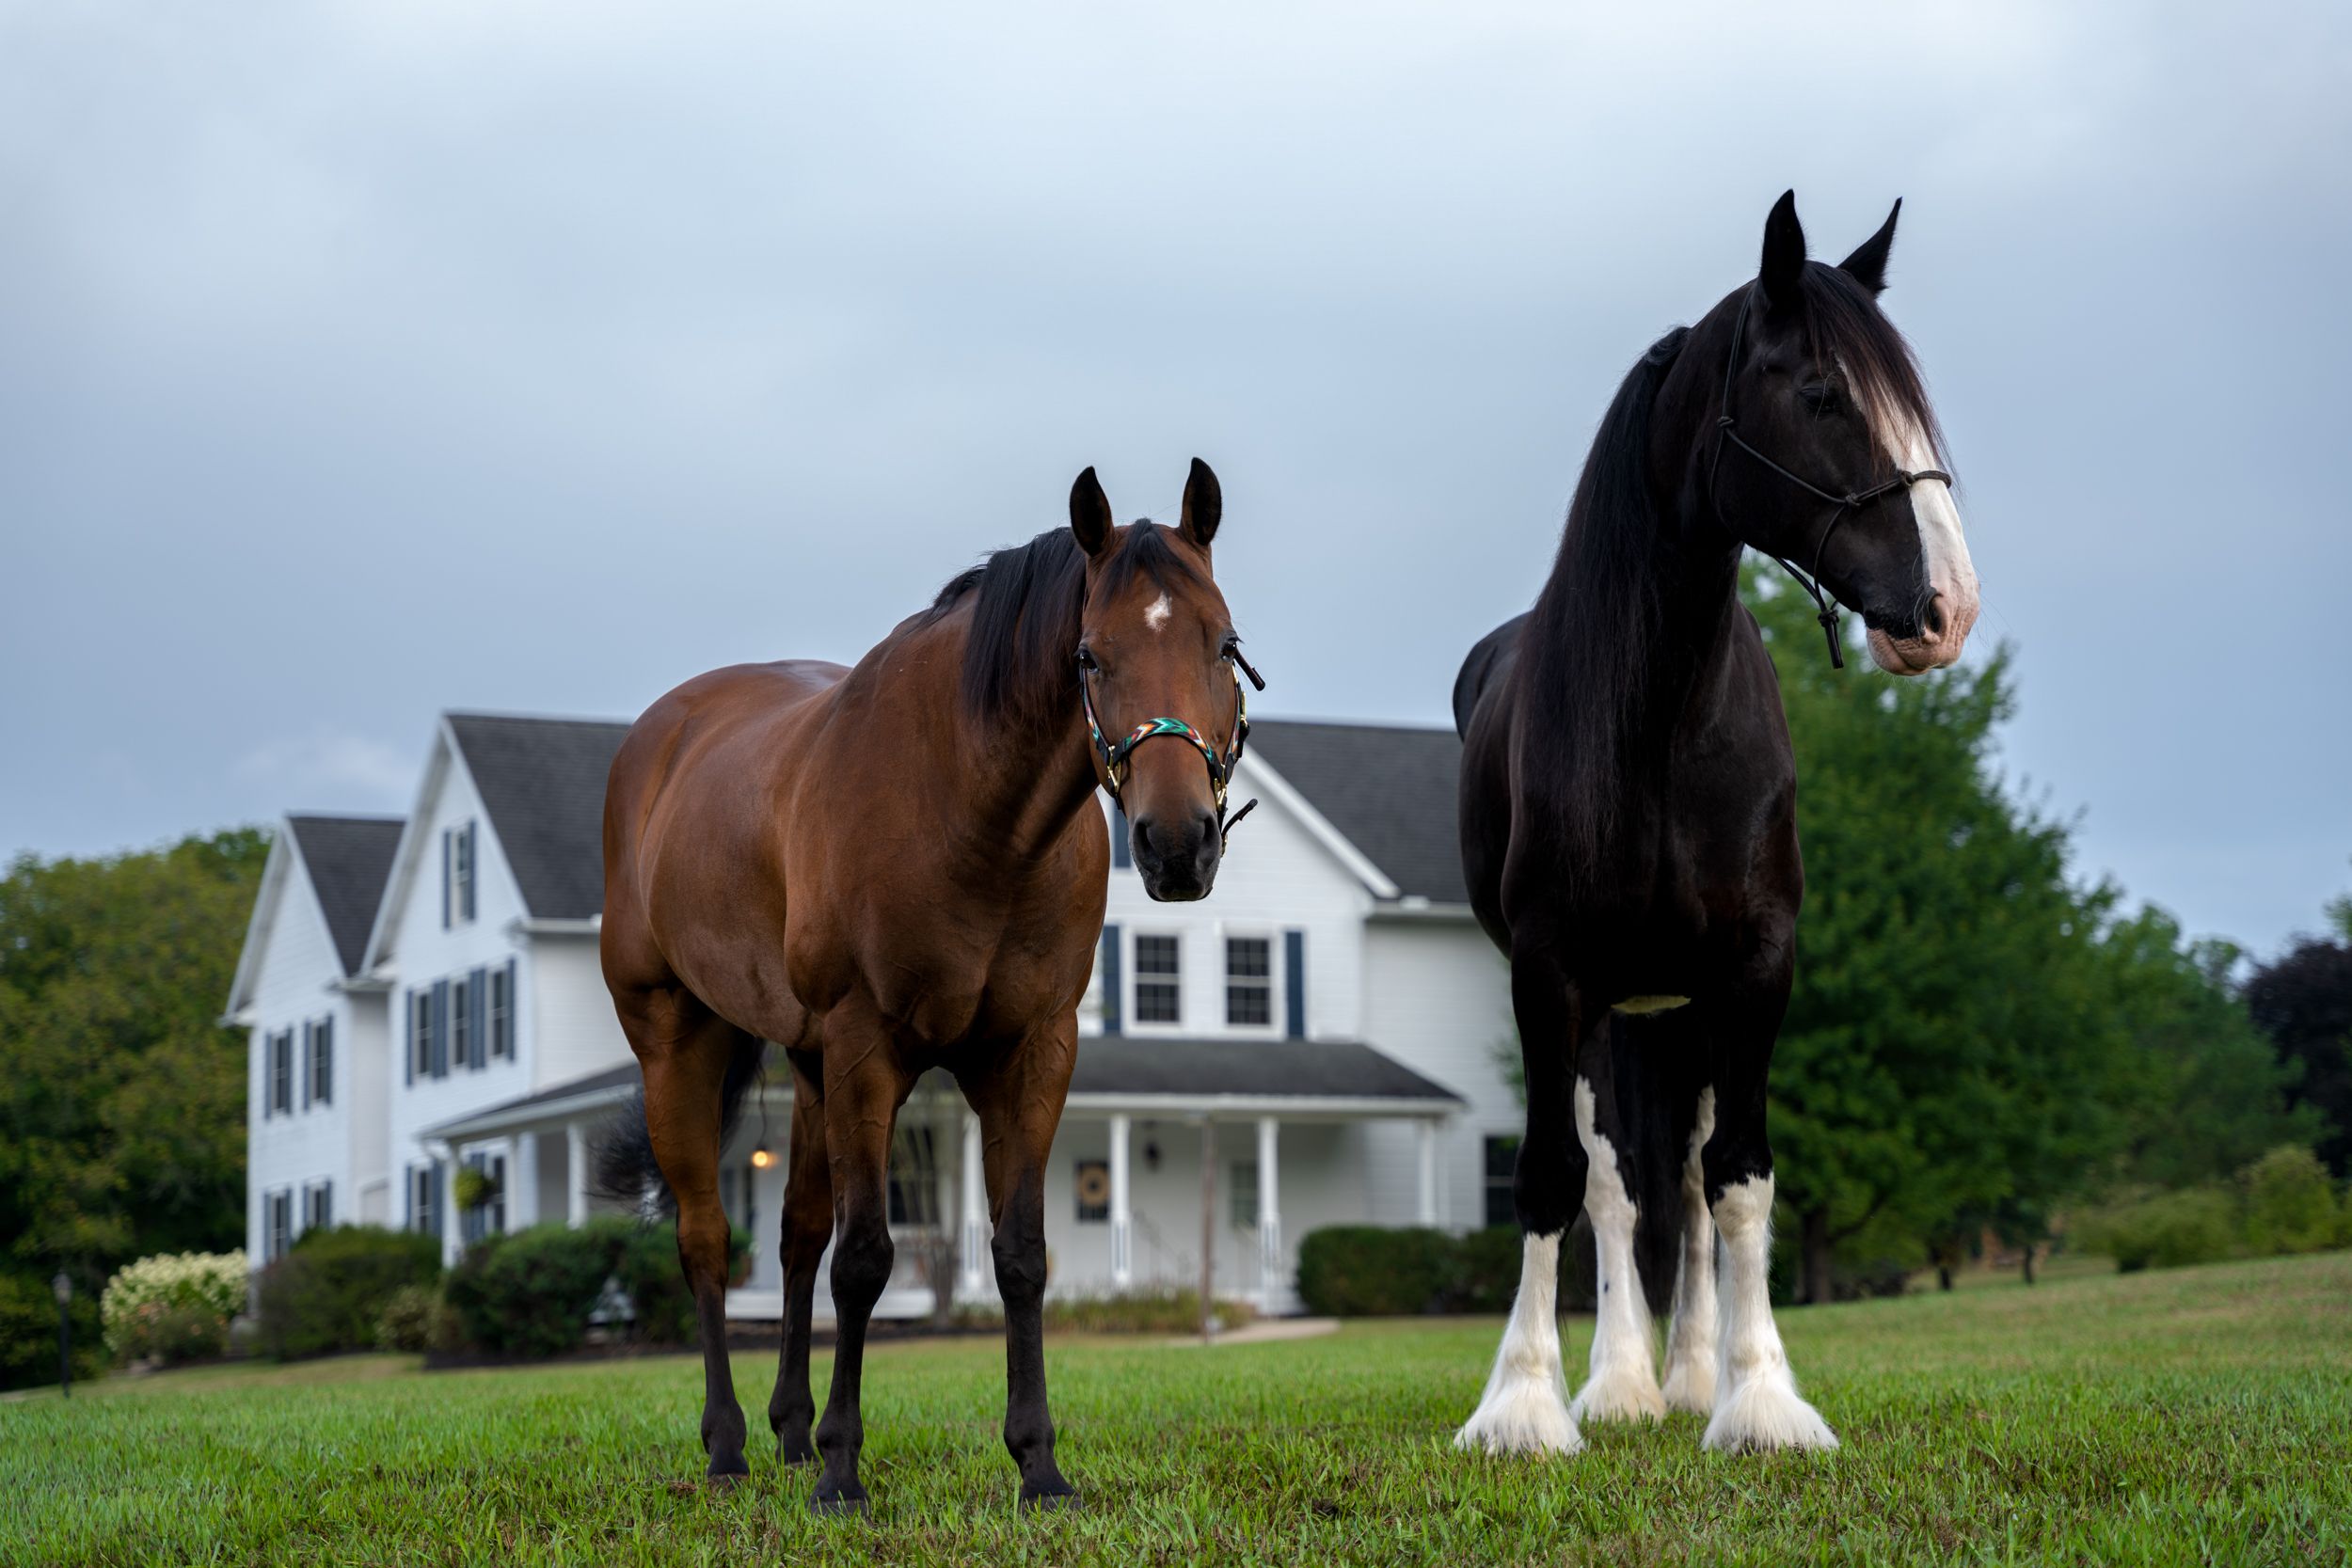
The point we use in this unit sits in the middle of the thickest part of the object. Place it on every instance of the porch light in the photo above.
(761, 1159)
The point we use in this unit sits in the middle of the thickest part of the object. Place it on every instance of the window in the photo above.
(1503, 1158)
(461, 1040)
(1248, 981)
(1158, 981)
(277, 1225)
(318, 1206)
(424, 1200)
(419, 1034)
(914, 1178)
(278, 1091)
(503, 1010)
(457, 863)
(1094, 1191)
(1243, 1198)
(318, 1067)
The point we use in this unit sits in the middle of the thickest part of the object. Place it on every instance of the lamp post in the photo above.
(63, 1286)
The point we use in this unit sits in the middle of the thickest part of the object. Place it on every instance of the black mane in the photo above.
(1584, 653)
(1019, 660)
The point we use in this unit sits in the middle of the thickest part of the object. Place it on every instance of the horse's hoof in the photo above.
(795, 1450)
(725, 1471)
(1064, 1501)
(840, 1505)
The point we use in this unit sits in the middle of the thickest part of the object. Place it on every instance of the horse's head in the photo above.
(1156, 655)
(1825, 449)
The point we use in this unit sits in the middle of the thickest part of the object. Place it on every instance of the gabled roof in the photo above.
(349, 859)
(542, 782)
(1389, 789)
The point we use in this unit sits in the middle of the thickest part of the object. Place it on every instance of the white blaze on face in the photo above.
(1157, 616)
(1943, 555)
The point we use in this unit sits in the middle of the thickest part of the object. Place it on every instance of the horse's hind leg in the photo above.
(1756, 1403)
(807, 1227)
(1690, 1342)
(686, 1049)
(1019, 1100)
(1622, 1383)
(864, 1088)
(1525, 1407)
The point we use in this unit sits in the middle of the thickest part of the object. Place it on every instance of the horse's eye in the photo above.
(1818, 396)
(1086, 659)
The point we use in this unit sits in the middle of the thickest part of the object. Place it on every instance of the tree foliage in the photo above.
(2303, 1001)
(122, 1099)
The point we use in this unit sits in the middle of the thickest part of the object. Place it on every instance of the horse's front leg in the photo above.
(865, 1087)
(1019, 1101)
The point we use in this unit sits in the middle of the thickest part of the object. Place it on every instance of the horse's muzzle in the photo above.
(1178, 863)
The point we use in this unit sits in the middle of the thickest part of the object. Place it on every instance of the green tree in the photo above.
(121, 1096)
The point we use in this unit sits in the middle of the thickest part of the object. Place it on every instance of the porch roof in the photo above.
(1155, 1074)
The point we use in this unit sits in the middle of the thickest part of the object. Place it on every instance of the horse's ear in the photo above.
(1204, 505)
(1784, 252)
(1090, 514)
(1867, 264)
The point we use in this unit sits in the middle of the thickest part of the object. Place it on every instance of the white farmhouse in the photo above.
(425, 995)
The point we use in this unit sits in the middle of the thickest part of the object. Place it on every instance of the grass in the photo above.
(2200, 1416)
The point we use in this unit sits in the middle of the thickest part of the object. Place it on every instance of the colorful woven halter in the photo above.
(1114, 758)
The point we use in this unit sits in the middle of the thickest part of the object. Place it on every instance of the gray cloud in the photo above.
(361, 362)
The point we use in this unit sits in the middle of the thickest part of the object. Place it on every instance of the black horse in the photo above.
(1628, 822)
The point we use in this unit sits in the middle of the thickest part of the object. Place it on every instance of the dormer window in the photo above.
(457, 875)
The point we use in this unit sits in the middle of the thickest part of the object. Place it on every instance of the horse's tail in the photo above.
(625, 1169)
(1658, 1070)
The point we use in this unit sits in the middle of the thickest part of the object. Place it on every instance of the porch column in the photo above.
(1123, 1217)
(452, 1225)
(522, 1181)
(1429, 1171)
(576, 1173)
(1269, 1220)
(970, 1282)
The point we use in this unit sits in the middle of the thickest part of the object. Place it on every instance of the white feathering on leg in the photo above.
(1756, 1403)
(1525, 1408)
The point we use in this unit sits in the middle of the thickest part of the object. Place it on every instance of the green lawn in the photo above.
(2198, 1416)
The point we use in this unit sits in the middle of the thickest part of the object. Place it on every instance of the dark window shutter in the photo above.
(440, 1196)
(1123, 851)
(1114, 1017)
(477, 1028)
(326, 1061)
(514, 1010)
(448, 864)
(408, 1044)
(309, 1088)
(1295, 984)
(440, 1028)
(473, 867)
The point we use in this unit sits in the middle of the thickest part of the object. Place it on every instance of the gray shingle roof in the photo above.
(1122, 1064)
(1388, 788)
(542, 780)
(349, 859)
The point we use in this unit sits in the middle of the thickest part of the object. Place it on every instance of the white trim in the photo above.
(1290, 799)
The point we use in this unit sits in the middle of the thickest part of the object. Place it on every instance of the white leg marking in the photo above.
(1156, 615)
(1525, 1408)
(1623, 1385)
(1756, 1403)
(1690, 1342)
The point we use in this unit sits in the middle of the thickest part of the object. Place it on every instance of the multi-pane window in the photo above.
(318, 1067)
(461, 1040)
(425, 1211)
(1159, 987)
(1503, 1158)
(277, 1090)
(1094, 1191)
(318, 1206)
(503, 1010)
(420, 1034)
(458, 865)
(1248, 981)
(277, 1225)
(1243, 1201)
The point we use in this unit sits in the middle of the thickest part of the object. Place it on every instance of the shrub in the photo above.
(1488, 1279)
(529, 1293)
(417, 1319)
(1151, 1309)
(1372, 1270)
(646, 1266)
(2290, 1203)
(2166, 1231)
(327, 1294)
(173, 1305)
(29, 1332)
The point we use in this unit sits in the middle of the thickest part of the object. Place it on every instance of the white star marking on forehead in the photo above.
(1157, 616)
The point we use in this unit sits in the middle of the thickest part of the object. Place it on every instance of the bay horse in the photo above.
(1629, 823)
(895, 868)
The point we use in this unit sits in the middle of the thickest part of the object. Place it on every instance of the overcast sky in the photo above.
(358, 362)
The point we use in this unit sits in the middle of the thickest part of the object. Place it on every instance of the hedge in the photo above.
(326, 1294)
(174, 1306)
(1354, 1271)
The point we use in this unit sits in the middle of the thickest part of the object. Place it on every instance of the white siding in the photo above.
(1440, 998)
(574, 1031)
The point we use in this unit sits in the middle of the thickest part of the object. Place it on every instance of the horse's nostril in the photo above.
(1934, 619)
